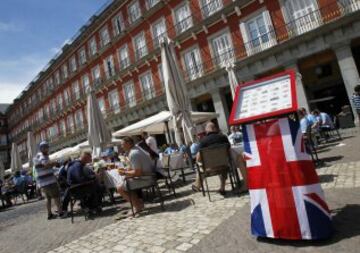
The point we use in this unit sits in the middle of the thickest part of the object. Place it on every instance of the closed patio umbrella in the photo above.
(98, 133)
(31, 147)
(176, 95)
(15, 164)
(232, 77)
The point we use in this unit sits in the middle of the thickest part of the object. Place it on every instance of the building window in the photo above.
(124, 58)
(60, 102)
(129, 94)
(96, 74)
(82, 56)
(151, 3)
(70, 123)
(161, 74)
(93, 46)
(222, 49)
(57, 78)
(85, 82)
(109, 67)
(134, 11)
(114, 101)
(105, 36)
(79, 119)
(209, 7)
(101, 103)
(43, 135)
(183, 19)
(158, 31)
(258, 33)
(62, 127)
(65, 73)
(4, 156)
(73, 65)
(192, 63)
(53, 106)
(118, 24)
(76, 90)
(67, 97)
(140, 46)
(147, 86)
(302, 15)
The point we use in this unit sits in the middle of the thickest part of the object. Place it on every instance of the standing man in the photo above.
(356, 100)
(151, 142)
(46, 178)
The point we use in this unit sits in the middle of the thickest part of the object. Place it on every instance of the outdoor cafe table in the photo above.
(177, 162)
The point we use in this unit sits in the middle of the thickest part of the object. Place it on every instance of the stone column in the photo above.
(349, 72)
(221, 109)
(300, 91)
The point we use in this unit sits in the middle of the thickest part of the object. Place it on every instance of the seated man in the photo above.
(140, 165)
(78, 173)
(212, 138)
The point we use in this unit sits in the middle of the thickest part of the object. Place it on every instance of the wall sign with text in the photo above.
(264, 98)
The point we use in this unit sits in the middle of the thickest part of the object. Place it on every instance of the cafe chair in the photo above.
(20, 191)
(214, 161)
(168, 179)
(136, 184)
(80, 192)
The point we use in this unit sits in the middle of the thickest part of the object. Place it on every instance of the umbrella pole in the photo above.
(168, 131)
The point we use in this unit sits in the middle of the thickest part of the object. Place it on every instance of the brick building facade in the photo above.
(117, 52)
(4, 142)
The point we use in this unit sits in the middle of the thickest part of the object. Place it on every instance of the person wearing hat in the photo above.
(45, 178)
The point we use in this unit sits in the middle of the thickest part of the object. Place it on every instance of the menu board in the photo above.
(264, 98)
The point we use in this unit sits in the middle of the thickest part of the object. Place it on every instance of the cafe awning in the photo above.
(156, 124)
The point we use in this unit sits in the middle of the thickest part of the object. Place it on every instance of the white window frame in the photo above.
(224, 57)
(62, 127)
(79, 119)
(249, 44)
(96, 78)
(149, 92)
(132, 18)
(105, 36)
(86, 85)
(73, 64)
(76, 89)
(57, 77)
(127, 60)
(109, 69)
(118, 24)
(144, 49)
(193, 74)
(82, 56)
(114, 104)
(60, 102)
(103, 107)
(158, 37)
(130, 101)
(93, 48)
(65, 71)
(180, 26)
(151, 3)
(70, 123)
(209, 7)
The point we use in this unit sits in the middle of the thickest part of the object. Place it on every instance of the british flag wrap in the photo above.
(286, 197)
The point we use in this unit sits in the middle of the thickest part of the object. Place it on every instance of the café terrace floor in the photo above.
(190, 223)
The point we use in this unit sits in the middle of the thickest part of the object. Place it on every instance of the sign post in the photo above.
(287, 201)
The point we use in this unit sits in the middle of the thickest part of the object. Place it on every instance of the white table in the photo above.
(113, 179)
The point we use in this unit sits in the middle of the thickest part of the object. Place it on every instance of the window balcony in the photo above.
(211, 7)
(124, 63)
(148, 93)
(158, 39)
(184, 25)
(141, 52)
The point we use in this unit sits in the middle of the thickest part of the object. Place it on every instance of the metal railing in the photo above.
(141, 52)
(124, 63)
(211, 7)
(184, 24)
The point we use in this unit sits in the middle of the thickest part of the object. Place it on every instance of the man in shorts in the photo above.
(46, 179)
(140, 165)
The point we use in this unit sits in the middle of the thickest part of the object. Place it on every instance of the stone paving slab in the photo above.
(190, 219)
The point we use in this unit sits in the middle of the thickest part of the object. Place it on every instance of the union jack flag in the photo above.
(286, 197)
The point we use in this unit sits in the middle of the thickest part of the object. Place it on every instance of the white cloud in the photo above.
(16, 74)
(9, 27)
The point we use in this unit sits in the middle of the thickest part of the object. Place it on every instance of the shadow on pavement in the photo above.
(346, 225)
(327, 178)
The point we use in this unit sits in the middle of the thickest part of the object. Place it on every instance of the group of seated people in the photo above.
(20, 183)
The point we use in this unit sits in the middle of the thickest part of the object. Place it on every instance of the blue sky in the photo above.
(31, 33)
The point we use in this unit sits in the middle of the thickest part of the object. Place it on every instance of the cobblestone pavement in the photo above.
(188, 222)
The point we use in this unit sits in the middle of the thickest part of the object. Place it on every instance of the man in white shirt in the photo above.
(151, 142)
